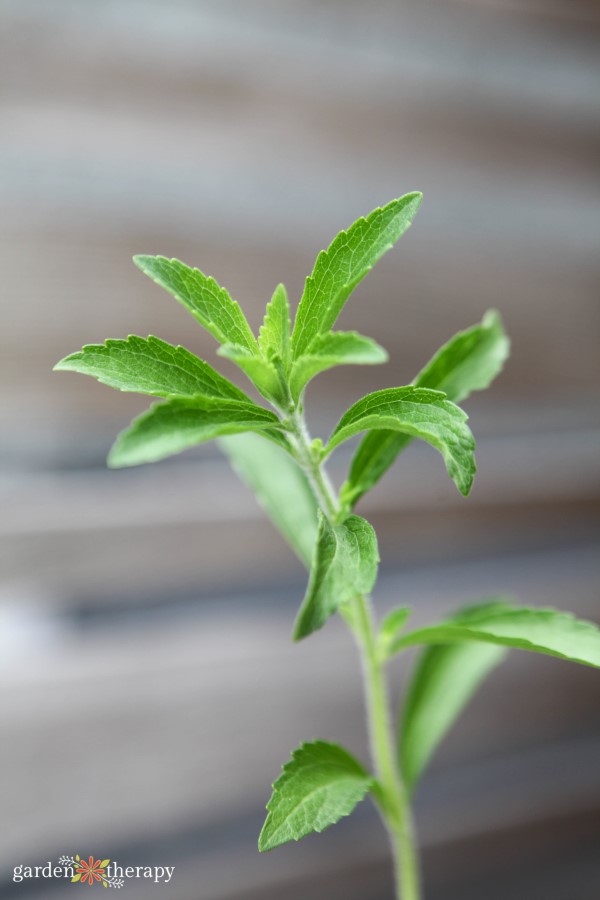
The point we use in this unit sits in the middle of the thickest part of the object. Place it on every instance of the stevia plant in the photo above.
(273, 452)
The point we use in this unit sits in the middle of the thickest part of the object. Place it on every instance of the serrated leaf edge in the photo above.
(285, 770)
(63, 365)
(209, 324)
(361, 220)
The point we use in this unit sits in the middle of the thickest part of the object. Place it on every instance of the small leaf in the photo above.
(105, 884)
(150, 366)
(418, 413)
(261, 372)
(206, 300)
(76, 878)
(104, 863)
(347, 260)
(281, 487)
(77, 857)
(274, 335)
(468, 362)
(170, 427)
(546, 631)
(391, 627)
(321, 784)
(344, 566)
(337, 348)
(445, 679)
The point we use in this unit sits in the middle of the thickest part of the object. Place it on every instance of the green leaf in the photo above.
(445, 679)
(468, 362)
(546, 631)
(418, 413)
(170, 427)
(261, 372)
(104, 863)
(76, 878)
(150, 366)
(344, 566)
(376, 453)
(337, 348)
(281, 487)
(321, 784)
(347, 260)
(206, 300)
(390, 628)
(274, 334)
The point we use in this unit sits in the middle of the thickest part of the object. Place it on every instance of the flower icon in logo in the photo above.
(90, 871)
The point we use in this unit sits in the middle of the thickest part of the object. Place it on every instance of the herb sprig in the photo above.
(273, 452)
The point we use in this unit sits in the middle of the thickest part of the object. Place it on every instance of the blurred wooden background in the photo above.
(145, 614)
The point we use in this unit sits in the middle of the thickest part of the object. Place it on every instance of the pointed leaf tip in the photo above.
(209, 303)
(150, 366)
(275, 331)
(319, 785)
(349, 257)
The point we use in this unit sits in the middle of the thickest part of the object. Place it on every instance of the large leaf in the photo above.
(546, 631)
(468, 362)
(347, 260)
(418, 413)
(170, 427)
(321, 784)
(206, 300)
(336, 348)
(445, 678)
(280, 486)
(344, 567)
(150, 366)
(274, 334)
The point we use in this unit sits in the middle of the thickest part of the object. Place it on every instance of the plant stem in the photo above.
(319, 479)
(391, 795)
(393, 803)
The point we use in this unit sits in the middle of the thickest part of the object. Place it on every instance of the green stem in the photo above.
(319, 480)
(391, 795)
(393, 802)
